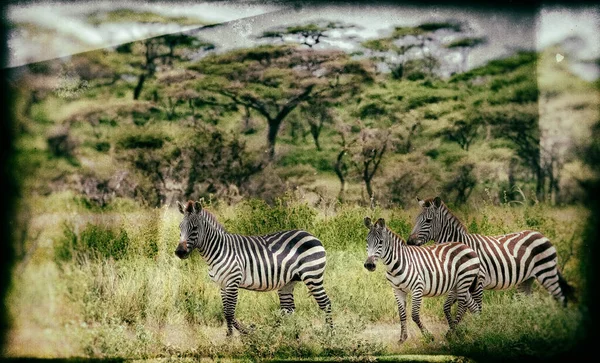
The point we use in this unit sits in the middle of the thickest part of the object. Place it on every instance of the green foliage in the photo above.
(423, 99)
(102, 146)
(498, 66)
(433, 26)
(256, 217)
(93, 242)
(344, 231)
(466, 43)
(142, 141)
(321, 161)
(536, 330)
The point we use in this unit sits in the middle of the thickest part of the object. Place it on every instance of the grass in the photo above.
(138, 301)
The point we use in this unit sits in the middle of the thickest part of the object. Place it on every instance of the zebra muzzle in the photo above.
(414, 240)
(182, 251)
(370, 263)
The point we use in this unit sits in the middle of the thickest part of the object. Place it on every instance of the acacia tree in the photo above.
(275, 80)
(309, 34)
(148, 54)
(412, 49)
(462, 131)
(342, 165)
(464, 46)
(519, 125)
(368, 151)
(317, 113)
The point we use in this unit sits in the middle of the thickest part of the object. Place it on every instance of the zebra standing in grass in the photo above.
(260, 263)
(514, 259)
(425, 271)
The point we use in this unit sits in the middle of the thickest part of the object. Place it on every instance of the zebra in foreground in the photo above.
(425, 271)
(260, 263)
(514, 259)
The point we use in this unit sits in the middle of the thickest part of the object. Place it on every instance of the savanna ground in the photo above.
(109, 285)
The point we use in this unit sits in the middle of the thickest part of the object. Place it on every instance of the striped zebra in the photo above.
(260, 263)
(514, 259)
(425, 271)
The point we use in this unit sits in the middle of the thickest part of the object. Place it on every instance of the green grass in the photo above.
(139, 301)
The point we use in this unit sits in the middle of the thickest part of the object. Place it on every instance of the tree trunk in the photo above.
(272, 137)
(539, 185)
(138, 88)
(315, 131)
(339, 171)
(369, 187)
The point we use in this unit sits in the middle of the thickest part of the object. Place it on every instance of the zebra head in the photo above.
(188, 228)
(425, 228)
(374, 241)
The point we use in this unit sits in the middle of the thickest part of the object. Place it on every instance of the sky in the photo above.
(61, 29)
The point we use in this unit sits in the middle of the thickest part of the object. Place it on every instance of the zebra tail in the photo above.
(567, 290)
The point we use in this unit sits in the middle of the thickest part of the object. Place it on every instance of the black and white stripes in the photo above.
(450, 269)
(261, 263)
(509, 260)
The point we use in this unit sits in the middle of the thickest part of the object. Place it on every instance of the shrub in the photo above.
(61, 144)
(142, 142)
(102, 146)
(344, 231)
(256, 217)
(94, 242)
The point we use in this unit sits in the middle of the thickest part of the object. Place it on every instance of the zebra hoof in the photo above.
(403, 338)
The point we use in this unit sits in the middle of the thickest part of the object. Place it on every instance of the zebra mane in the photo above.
(394, 234)
(451, 216)
(210, 218)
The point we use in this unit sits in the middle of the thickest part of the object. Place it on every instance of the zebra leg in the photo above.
(315, 288)
(549, 279)
(525, 286)
(229, 296)
(286, 298)
(464, 301)
(450, 300)
(401, 301)
(417, 297)
(477, 294)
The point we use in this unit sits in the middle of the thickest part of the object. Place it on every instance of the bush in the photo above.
(256, 217)
(142, 142)
(61, 144)
(94, 242)
(536, 330)
(344, 231)
(320, 160)
(102, 146)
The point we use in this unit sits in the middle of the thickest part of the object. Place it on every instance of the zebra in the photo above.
(514, 259)
(275, 261)
(425, 271)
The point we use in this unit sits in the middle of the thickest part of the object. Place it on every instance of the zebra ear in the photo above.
(181, 207)
(421, 202)
(437, 201)
(197, 207)
(368, 223)
(380, 223)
